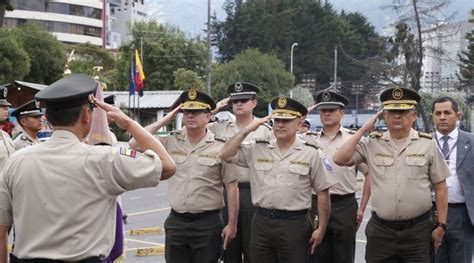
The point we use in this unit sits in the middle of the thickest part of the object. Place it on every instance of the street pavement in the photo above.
(149, 208)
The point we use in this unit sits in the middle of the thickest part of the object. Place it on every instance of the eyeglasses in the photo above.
(243, 101)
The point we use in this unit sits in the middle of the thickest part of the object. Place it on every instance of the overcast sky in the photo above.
(191, 15)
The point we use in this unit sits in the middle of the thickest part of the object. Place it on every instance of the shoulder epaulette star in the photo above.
(220, 139)
(176, 132)
(262, 141)
(375, 134)
(312, 145)
(425, 135)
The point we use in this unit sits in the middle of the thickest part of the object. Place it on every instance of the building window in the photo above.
(75, 10)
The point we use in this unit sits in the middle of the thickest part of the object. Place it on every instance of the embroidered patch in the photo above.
(383, 155)
(264, 161)
(178, 153)
(128, 152)
(416, 155)
(207, 156)
(303, 163)
(327, 164)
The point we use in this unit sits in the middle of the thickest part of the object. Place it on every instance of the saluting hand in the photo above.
(168, 118)
(221, 104)
(255, 123)
(315, 240)
(114, 114)
(370, 124)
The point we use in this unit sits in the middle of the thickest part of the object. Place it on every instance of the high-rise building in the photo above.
(81, 21)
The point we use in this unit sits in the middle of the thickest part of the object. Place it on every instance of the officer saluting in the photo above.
(403, 166)
(28, 116)
(61, 194)
(283, 173)
(243, 97)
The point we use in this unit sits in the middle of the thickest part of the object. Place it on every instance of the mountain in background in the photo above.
(191, 15)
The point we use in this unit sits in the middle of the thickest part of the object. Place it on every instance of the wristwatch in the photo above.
(442, 225)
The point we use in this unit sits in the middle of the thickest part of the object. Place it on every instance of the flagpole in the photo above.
(141, 61)
(129, 80)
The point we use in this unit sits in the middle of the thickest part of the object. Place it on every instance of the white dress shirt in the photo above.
(455, 192)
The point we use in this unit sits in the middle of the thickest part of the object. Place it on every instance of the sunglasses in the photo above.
(243, 101)
(193, 111)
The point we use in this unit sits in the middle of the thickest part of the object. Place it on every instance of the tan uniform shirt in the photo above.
(227, 129)
(345, 175)
(24, 140)
(284, 181)
(401, 177)
(61, 195)
(197, 185)
(7, 147)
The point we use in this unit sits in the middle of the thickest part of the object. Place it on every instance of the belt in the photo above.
(456, 205)
(337, 198)
(280, 214)
(196, 216)
(244, 185)
(14, 259)
(402, 224)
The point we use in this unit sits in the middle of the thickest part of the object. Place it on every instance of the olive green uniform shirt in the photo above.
(227, 129)
(197, 185)
(284, 180)
(401, 177)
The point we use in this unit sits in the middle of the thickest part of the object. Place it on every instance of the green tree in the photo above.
(165, 50)
(264, 70)
(4, 6)
(185, 79)
(272, 27)
(87, 56)
(302, 95)
(14, 60)
(466, 67)
(47, 57)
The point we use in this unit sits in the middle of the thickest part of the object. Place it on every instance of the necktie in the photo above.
(445, 149)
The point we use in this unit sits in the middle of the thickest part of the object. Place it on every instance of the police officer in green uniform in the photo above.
(28, 116)
(283, 171)
(403, 165)
(243, 97)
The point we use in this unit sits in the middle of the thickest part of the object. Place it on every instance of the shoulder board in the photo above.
(176, 132)
(222, 121)
(261, 141)
(312, 133)
(315, 146)
(351, 131)
(425, 135)
(220, 139)
(375, 134)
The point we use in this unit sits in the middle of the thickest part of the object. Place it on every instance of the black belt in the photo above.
(14, 259)
(402, 224)
(244, 185)
(191, 216)
(456, 205)
(337, 198)
(280, 214)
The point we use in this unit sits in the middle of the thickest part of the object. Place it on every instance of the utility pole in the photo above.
(209, 62)
(335, 68)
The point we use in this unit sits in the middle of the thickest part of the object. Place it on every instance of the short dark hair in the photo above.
(64, 117)
(454, 104)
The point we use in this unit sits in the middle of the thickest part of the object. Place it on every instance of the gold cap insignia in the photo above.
(326, 96)
(90, 98)
(37, 104)
(238, 87)
(192, 94)
(5, 92)
(282, 102)
(397, 93)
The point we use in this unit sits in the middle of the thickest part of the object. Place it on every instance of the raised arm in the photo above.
(343, 156)
(231, 147)
(143, 138)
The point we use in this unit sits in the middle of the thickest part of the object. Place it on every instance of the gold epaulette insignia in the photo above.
(425, 135)
(375, 134)
(315, 146)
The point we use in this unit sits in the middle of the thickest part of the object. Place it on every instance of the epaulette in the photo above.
(220, 139)
(176, 132)
(375, 134)
(425, 135)
(315, 146)
(351, 131)
(267, 126)
(222, 121)
(262, 141)
(312, 133)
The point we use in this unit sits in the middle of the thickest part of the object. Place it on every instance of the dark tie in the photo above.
(445, 149)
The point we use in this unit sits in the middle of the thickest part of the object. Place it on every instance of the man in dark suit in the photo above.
(456, 148)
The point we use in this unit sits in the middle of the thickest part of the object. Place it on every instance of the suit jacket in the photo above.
(465, 169)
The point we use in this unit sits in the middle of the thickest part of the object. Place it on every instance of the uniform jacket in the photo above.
(465, 169)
